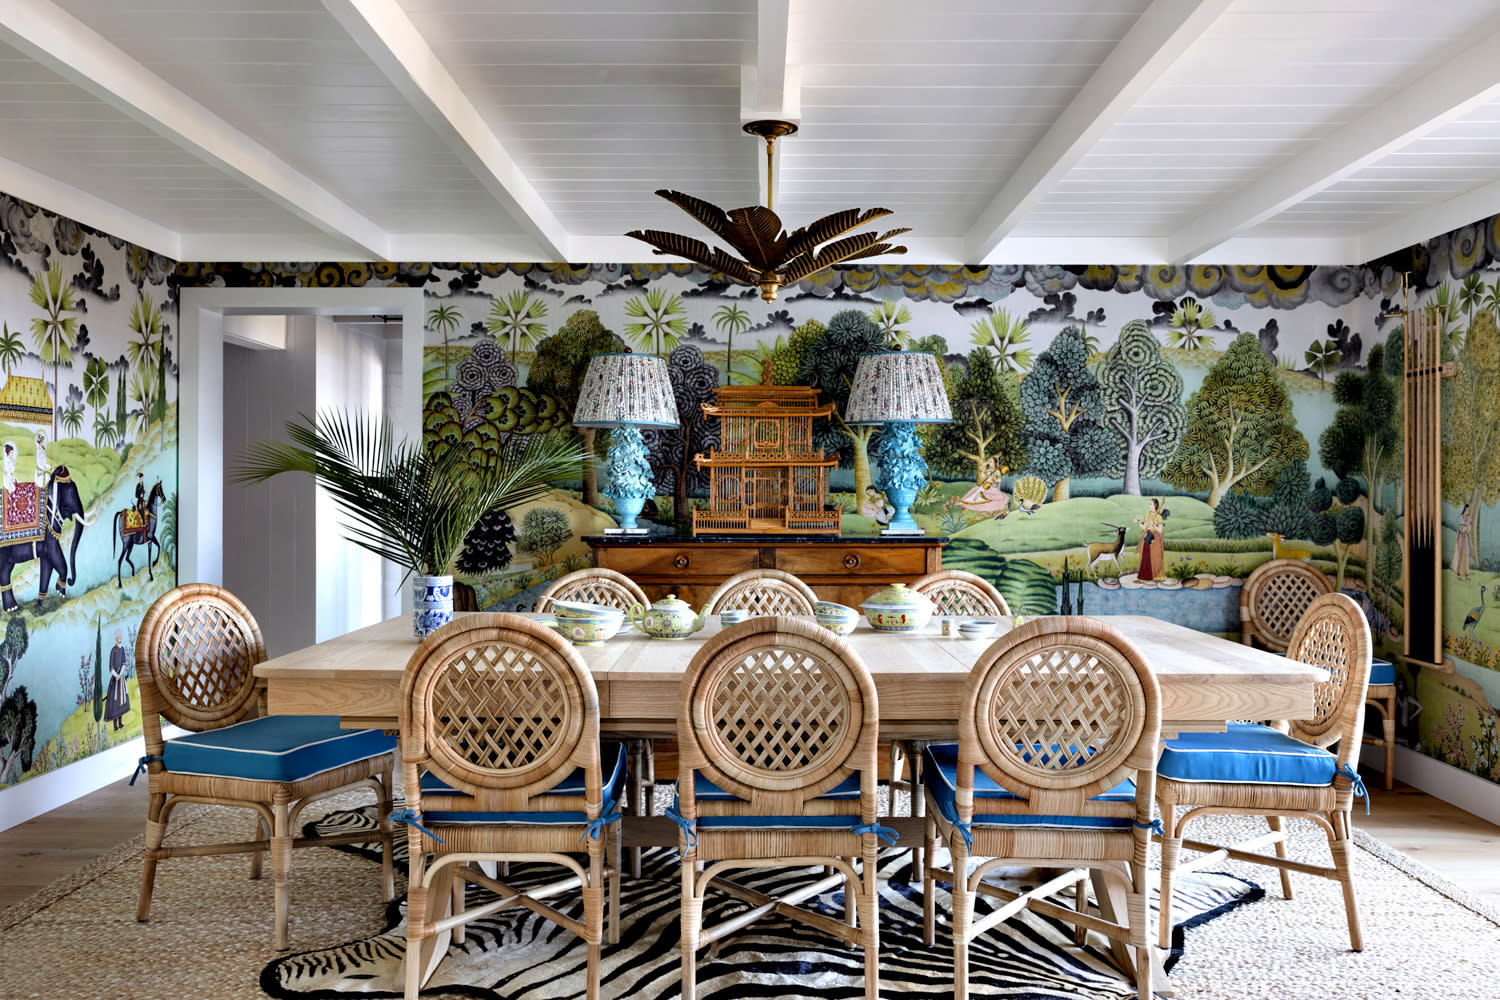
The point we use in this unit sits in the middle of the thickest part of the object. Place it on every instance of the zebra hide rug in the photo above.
(516, 954)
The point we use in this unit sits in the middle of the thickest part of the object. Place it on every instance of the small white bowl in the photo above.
(976, 629)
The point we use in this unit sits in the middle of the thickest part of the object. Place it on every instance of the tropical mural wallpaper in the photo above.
(1153, 432)
(88, 481)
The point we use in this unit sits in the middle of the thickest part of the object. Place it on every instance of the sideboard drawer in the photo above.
(687, 561)
(859, 560)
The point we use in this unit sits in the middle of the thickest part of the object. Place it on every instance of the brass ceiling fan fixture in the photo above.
(769, 258)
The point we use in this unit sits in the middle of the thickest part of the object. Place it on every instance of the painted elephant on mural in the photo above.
(63, 505)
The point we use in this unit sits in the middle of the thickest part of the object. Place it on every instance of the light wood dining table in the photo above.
(919, 676)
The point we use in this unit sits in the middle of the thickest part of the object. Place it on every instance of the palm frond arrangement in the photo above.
(404, 502)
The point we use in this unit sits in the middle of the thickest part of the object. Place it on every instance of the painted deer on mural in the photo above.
(129, 536)
(61, 505)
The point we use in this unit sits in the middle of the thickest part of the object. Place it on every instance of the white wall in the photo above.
(350, 378)
(269, 528)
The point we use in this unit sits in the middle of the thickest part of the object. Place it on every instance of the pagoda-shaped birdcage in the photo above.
(766, 476)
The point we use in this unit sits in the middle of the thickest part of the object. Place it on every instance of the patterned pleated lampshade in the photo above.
(898, 386)
(621, 389)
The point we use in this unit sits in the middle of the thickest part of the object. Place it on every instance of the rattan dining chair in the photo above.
(196, 651)
(952, 592)
(763, 592)
(1274, 598)
(1282, 772)
(776, 729)
(1381, 696)
(594, 586)
(501, 760)
(1054, 766)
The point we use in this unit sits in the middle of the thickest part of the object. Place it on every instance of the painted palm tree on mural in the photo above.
(892, 318)
(1471, 295)
(96, 391)
(518, 316)
(732, 319)
(656, 321)
(11, 350)
(1492, 298)
(106, 431)
(72, 415)
(1189, 325)
(55, 334)
(444, 319)
(1004, 334)
(1322, 357)
(145, 353)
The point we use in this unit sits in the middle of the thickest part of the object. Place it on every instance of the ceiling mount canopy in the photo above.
(769, 258)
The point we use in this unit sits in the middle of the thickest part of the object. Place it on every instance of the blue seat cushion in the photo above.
(274, 748)
(846, 790)
(1382, 672)
(940, 776)
(612, 759)
(1245, 754)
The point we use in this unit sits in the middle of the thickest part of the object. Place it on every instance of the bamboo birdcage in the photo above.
(766, 476)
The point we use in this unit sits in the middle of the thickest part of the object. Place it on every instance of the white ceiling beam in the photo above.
(52, 194)
(388, 36)
(1424, 223)
(81, 55)
(770, 88)
(1158, 39)
(1430, 97)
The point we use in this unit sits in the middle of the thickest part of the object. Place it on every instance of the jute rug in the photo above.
(210, 932)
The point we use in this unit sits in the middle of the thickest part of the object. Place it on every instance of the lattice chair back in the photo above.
(594, 586)
(956, 592)
(1274, 598)
(1058, 711)
(1333, 634)
(196, 653)
(501, 709)
(778, 711)
(763, 592)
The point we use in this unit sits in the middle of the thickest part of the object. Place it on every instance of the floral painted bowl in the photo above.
(839, 619)
(898, 608)
(587, 624)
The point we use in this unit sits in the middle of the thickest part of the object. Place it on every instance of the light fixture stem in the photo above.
(770, 143)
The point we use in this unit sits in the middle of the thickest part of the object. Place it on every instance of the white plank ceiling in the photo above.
(1072, 131)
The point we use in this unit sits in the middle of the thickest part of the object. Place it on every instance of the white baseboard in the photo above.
(1469, 792)
(46, 792)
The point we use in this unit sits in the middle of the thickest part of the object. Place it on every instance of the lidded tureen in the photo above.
(898, 608)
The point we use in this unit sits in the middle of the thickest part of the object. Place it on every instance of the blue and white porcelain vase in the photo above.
(431, 604)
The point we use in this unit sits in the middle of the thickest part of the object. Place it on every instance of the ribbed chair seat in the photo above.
(274, 748)
(940, 780)
(1251, 770)
(710, 795)
(196, 652)
(612, 758)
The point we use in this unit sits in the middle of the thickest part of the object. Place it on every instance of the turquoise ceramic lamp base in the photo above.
(902, 475)
(632, 482)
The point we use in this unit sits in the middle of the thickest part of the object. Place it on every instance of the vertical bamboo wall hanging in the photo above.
(1423, 583)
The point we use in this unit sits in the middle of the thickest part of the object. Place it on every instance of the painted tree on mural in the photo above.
(444, 319)
(986, 422)
(55, 334)
(1241, 431)
(558, 369)
(1471, 433)
(517, 317)
(1005, 335)
(787, 355)
(96, 391)
(11, 350)
(1142, 397)
(1363, 440)
(17, 734)
(1065, 432)
(1188, 325)
(1340, 525)
(483, 373)
(72, 414)
(892, 318)
(731, 318)
(655, 321)
(829, 365)
(694, 382)
(12, 648)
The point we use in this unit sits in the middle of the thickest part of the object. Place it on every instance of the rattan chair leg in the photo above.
(1388, 727)
(963, 919)
(156, 830)
(281, 865)
(692, 922)
(458, 900)
(635, 793)
(869, 918)
(929, 881)
(1139, 907)
(259, 833)
(614, 883)
(1278, 825)
(387, 835)
(1342, 848)
(1171, 854)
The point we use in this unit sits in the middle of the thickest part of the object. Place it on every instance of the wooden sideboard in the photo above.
(846, 570)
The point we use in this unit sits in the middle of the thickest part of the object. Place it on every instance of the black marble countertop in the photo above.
(750, 539)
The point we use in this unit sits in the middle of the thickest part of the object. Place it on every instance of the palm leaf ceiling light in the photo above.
(769, 258)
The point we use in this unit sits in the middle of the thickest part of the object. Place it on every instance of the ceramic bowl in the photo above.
(588, 633)
(976, 629)
(898, 609)
(839, 619)
(587, 624)
(733, 616)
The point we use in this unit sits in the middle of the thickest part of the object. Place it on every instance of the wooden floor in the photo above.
(34, 854)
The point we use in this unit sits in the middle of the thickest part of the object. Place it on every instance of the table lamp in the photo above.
(627, 392)
(899, 389)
